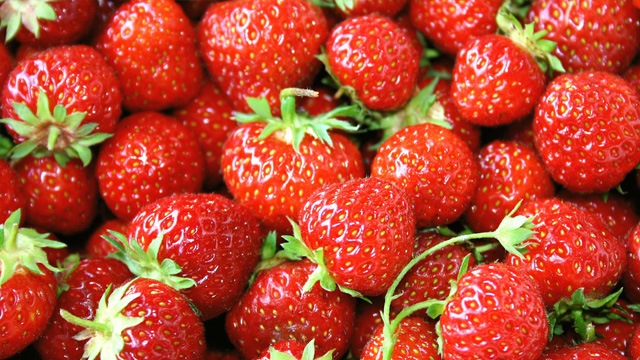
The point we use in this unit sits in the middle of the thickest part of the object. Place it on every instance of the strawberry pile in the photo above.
(320, 179)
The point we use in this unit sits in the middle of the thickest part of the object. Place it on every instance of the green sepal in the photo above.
(345, 5)
(309, 353)
(513, 231)
(146, 263)
(27, 13)
(5, 146)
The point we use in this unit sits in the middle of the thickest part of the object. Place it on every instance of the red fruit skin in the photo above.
(214, 240)
(450, 24)
(7, 63)
(86, 284)
(75, 76)
(233, 37)
(373, 55)
(632, 76)
(27, 301)
(584, 351)
(275, 308)
(633, 348)
(416, 340)
(150, 156)
(96, 245)
(151, 44)
(273, 180)
(63, 200)
(291, 347)
(631, 276)
(570, 249)
(365, 7)
(209, 117)
(587, 130)
(74, 19)
(509, 173)
(434, 166)
(365, 228)
(496, 313)
(11, 197)
(610, 49)
(495, 81)
(616, 334)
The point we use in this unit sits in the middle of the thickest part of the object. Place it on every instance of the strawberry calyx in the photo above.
(146, 264)
(104, 332)
(57, 133)
(534, 42)
(309, 353)
(27, 13)
(292, 126)
(23, 247)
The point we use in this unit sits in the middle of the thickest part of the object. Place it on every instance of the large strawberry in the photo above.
(151, 44)
(256, 48)
(587, 130)
(130, 318)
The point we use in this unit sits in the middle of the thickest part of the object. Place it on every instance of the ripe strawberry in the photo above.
(633, 349)
(361, 232)
(83, 286)
(208, 115)
(152, 46)
(353, 8)
(373, 60)
(11, 196)
(497, 312)
(434, 166)
(449, 24)
(62, 101)
(632, 76)
(509, 173)
(97, 244)
(63, 200)
(609, 41)
(416, 339)
(151, 155)
(272, 165)
(27, 285)
(587, 130)
(631, 276)
(129, 319)
(47, 22)
(571, 249)
(584, 351)
(275, 307)
(257, 48)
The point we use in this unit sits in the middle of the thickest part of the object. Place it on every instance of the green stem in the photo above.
(88, 324)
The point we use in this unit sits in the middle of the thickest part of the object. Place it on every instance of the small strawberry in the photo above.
(415, 338)
(11, 197)
(150, 156)
(129, 319)
(584, 351)
(152, 46)
(587, 130)
(256, 48)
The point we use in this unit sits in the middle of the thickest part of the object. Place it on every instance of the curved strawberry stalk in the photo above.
(27, 13)
(23, 247)
(60, 134)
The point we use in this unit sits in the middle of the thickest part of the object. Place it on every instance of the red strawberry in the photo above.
(416, 339)
(374, 61)
(129, 319)
(11, 197)
(97, 245)
(633, 349)
(150, 156)
(616, 333)
(352, 8)
(584, 351)
(257, 48)
(152, 46)
(83, 287)
(632, 76)
(571, 249)
(631, 276)
(509, 173)
(434, 166)
(587, 130)
(275, 307)
(609, 41)
(27, 285)
(497, 312)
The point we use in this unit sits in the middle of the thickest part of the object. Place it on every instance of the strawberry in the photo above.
(83, 286)
(128, 320)
(608, 43)
(215, 242)
(415, 340)
(373, 60)
(27, 285)
(368, 319)
(272, 165)
(584, 351)
(292, 349)
(152, 47)
(497, 312)
(62, 101)
(97, 244)
(631, 276)
(256, 48)
(587, 130)
(151, 155)
(509, 173)
(60, 199)
(11, 197)
(633, 348)
(47, 22)
(632, 76)
(275, 307)
(616, 333)
(208, 115)
(572, 249)
(353, 8)
(449, 24)
(434, 166)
